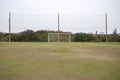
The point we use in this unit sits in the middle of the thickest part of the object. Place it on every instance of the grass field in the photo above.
(59, 61)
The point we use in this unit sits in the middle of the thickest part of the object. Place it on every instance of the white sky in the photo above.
(75, 15)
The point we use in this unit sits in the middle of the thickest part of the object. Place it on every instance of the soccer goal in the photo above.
(59, 37)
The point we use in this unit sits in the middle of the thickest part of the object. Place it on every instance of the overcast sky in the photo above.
(75, 15)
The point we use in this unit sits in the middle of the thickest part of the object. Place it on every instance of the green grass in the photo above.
(59, 61)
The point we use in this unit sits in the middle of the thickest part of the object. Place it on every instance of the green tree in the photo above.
(1, 36)
(5, 37)
(115, 31)
(114, 38)
(41, 35)
(27, 35)
(83, 37)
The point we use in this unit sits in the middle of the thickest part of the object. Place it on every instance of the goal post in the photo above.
(63, 37)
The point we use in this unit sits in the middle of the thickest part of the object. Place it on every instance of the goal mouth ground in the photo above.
(59, 37)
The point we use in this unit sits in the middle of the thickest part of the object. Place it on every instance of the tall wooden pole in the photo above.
(106, 27)
(58, 29)
(9, 27)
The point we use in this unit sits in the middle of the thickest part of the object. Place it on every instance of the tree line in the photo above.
(42, 36)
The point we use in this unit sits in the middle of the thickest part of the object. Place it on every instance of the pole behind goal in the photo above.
(9, 27)
(58, 29)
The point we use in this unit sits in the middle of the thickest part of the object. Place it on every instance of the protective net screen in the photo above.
(68, 22)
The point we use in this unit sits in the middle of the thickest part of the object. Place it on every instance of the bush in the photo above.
(83, 37)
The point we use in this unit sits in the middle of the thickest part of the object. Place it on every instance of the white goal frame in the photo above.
(59, 37)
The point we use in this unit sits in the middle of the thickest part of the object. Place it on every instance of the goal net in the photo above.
(59, 37)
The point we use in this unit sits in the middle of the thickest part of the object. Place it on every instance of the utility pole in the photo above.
(58, 29)
(96, 32)
(96, 35)
(9, 27)
(106, 27)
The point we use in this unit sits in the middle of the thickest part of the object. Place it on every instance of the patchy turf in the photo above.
(59, 61)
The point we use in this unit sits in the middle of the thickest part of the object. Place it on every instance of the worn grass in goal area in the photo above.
(59, 61)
